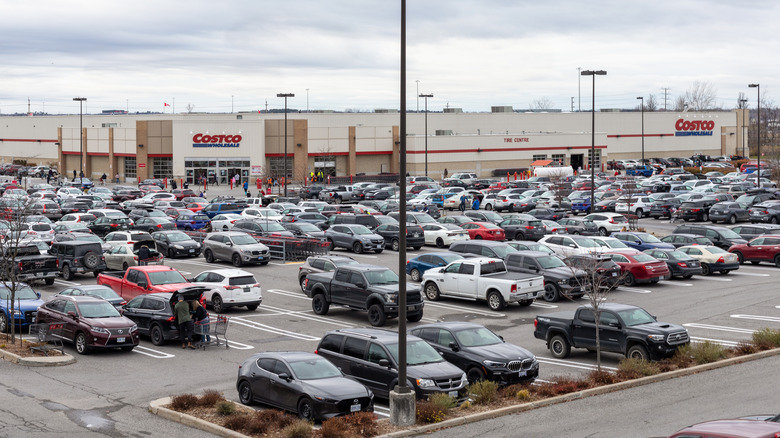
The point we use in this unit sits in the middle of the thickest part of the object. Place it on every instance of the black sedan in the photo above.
(153, 313)
(304, 229)
(680, 264)
(152, 224)
(104, 225)
(304, 383)
(479, 352)
(176, 243)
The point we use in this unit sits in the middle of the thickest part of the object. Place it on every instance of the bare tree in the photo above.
(742, 100)
(543, 103)
(701, 96)
(680, 104)
(651, 103)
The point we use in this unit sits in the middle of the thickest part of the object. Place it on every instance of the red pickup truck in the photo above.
(140, 280)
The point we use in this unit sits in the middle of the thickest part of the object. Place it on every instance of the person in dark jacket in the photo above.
(143, 255)
(184, 321)
(201, 317)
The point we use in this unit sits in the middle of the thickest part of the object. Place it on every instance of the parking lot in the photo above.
(720, 308)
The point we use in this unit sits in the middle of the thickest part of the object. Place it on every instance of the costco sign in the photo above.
(693, 127)
(216, 141)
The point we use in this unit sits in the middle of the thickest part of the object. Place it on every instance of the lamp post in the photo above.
(643, 128)
(418, 95)
(579, 89)
(426, 96)
(593, 73)
(81, 101)
(743, 107)
(758, 132)
(285, 95)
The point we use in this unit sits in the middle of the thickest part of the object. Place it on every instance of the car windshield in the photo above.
(176, 237)
(634, 317)
(643, 258)
(549, 262)
(307, 227)
(679, 255)
(271, 226)
(24, 293)
(361, 230)
(157, 213)
(102, 309)
(728, 234)
(314, 369)
(477, 337)
(381, 277)
(610, 243)
(102, 292)
(716, 250)
(649, 238)
(243, 240)
(89, 238)
(450, 258)
(586, 243)
(502, 251)
(166, 277)
(417, 353)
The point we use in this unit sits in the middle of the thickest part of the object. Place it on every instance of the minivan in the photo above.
(720, 236)
(484, 248)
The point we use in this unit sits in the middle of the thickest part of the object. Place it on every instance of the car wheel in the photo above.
(225, 228)
(559, 347)
(209, 256)
(416, 248)
(91, 259)
(245, 393)
(395, 245)
(66, 273)
(303, 284)
(170, 253)
(732, 219)
(489, 207)
(705, 217)
(551, 292)
(638, 352)
(81, 343)
(629, 279)
(415, 274)
(320, 305)
(773, 220)
(477, 237)
(495, 301)
(156, 335)
(125, 266)
(475, 374)
(49, 281)
(415, 317)
(376, 315)
(740, 257)
(603, 232)
(217, 304)
(331, 245)
(432, 292)
(3, 323)
(705, 269)
(777, 261)
(251, 307)
(237, 262)
(519, 236)
(357, 248)
(305, 409)
(439, 242)
(639, 213)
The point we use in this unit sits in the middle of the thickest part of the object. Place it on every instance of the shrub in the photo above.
(210, 398)
(600, 378)
(237, 422)
(703, 352)
(443, 401)
(225, 408)
(335, 427)
(364, 423)
(545, 390)
(523, 394)
(359, 424)
(183, 402)
(427, 412)
(297, 429)
(744, 348)
(631, 368)
(565, 385)
(483, 391)
(465, 405)
(766, 339)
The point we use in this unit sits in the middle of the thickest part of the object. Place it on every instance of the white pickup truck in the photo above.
(482, 279)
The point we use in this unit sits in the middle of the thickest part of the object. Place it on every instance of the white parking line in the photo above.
(270, 329)
(543, 305)
(288, 294)
(364, 256)
(463, 309)
(152, 353)
(750, 274)
(681, 284)
(635, 290)
(317, 318)
(573, 364)
(714, 279)
(66, 282)
(757, 317)
(720, 328)
(716, 341)
(236, 345)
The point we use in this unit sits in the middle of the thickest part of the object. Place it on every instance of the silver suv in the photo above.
(358, 238)
(236, 247)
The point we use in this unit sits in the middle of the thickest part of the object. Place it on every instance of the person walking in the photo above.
(74, 174)
(462, 206)
(475, 205)
(103, 179)
(246, 186)
(201, 317)
(184, 321)
(174, 186)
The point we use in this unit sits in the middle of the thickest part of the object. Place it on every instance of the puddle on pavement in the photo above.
(93, 419)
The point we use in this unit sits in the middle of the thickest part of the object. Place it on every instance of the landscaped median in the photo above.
(21, 354)
(213, 413)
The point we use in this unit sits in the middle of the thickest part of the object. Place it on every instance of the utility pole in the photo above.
(572, 104)
(666, 96)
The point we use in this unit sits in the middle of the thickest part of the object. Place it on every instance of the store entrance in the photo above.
(577, 161)
(216, 172)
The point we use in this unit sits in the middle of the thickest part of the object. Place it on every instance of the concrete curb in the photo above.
(578, 395)
(156, 408)
(47, 361)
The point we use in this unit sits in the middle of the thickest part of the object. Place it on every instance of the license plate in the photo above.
(521, 374)
(246, 289)
(192, 250)
(120, 339)
(409, 308)
(39, 274)
(354, 408)
(260, 258)
(453, 394)
(614, 274)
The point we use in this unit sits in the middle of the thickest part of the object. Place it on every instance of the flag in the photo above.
(165, 104)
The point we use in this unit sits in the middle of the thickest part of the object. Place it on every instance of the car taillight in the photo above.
(695, 210)
(172, 318)
(58, 263)
(720, 260)
(513, 289)
(135, 258)
(233, 221)
(20, 266)
(114, 225)
(536, 322)
(123, 303)
(612, 220)
(682, 264)
(232, 287)
(528, 227)
(407, 262)
(159, 225)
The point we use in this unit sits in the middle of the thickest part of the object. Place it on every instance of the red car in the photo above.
(197, 206)
(639, 268)
(764, 248)
(484, 230)
(89, 322)
(183, 193)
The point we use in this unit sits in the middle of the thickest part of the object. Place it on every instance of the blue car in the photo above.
(216, 208)
(642, 241)
(189, 221)
(26, 303)
(417, 266)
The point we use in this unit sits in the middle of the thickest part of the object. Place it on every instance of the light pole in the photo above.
(643, 128)
(418, 95)
(81, 101)
(593, 73)
(285, 95)
(307, 100)
(758, 132)
(426, 96)
(579, 89)
(744, 106)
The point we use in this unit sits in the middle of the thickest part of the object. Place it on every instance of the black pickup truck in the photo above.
(625, 329)
(30, 264)
(363, 287)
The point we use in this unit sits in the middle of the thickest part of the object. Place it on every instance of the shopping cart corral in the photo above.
(48, 337)
(212, 331)
(291, 249)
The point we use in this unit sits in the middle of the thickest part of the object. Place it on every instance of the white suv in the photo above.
(230, 288)
(608, 223)
(466, 177)
(639, 206)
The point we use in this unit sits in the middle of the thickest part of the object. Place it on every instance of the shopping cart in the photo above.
(211, 330)
(48, 337)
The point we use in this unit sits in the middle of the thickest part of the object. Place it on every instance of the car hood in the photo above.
(24, 305)
(561, 272)
(658, 328)
(437, 370)
(170, 288)
(500, 352)
(335, 388)
(113, 322)
(393, 288)
(184, 243)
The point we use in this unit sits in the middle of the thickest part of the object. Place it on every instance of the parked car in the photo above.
(720, 236)
(578, 226)
(598, 267)
(750, 231)
(323, 263)
(89, 323)
(153, 312)
(484, 216)
(355, 237)
(641, 241)
(306, 384)
(679, 263)
(127, 238)
(229, 288)
(482, 248)
(566, 245)
(712, 258)
(189, 221)
(765, 212)
(761, 249)
(152, 224)
(527, 245)
(639, 268)
(26, 302)
(481, 353)
(104, 225)
(175, 243)
(417, 266)
(78, 257)
(608, 222)
(415, 237)
(235, 246)
(377, 353)
(225, 222)
(484, 231)
(260, 227)
(730, 212)
(662, 208)
(522, 229)
(559, 279)
(94, 290)
(679, 240)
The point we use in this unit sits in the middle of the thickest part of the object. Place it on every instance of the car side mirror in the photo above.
(284, 376)
(73, 315)
(614, 324)
(384, 363)
(229, 244)
(143, 284)
(360, 285)
(38, 294)
(454, 346)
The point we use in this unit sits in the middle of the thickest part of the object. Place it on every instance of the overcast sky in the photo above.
(226, 55)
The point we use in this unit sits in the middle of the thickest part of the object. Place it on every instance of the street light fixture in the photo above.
(593, 73)
(285, 95)
(758, 128)
(81, 101)
(643, 128)
(744, 106)
(426, 96)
